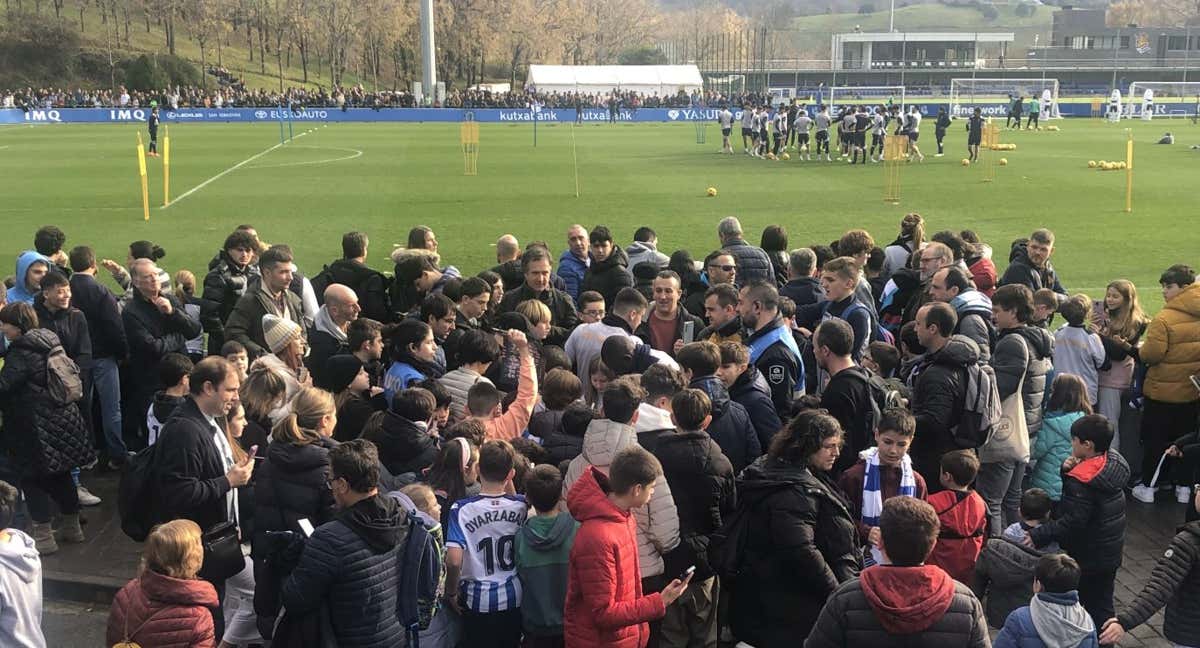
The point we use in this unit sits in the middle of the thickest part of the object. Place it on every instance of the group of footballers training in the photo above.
(768, 134)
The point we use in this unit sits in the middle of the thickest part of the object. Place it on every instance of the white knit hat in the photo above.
(279, 331)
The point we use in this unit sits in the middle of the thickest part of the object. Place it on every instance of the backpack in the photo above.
(981, 408)
(883, 396)
(63, 384)
(320, 282)
(420, 560)
(876, 331)
(136, 502)
(728, 547)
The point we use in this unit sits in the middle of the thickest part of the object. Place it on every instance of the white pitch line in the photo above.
(225, 172)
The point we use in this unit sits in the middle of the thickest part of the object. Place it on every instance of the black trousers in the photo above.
(41, 490)
(492, 630)
(654, 584)
(1162, 423)
(1096, 595)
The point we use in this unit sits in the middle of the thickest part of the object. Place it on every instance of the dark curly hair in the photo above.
(802, 437)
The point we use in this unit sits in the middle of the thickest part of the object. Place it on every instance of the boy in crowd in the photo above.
(1054, 617)
(1077, 350)
(591, 307)
(236, 354)
(963, 516)
(881, 473)
(605, 604)
(173, 371)
(1045, 305)
(748, 388)
(20, 579)
(1004, 573)
(1092, 525)
(481, 577)
(543, 553)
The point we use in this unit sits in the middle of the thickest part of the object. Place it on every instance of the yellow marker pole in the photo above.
(1129, 172)
(166, 166)
(141, 155)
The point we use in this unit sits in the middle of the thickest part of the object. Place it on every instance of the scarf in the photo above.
(872, 497)
(324, 322)
(425, 367)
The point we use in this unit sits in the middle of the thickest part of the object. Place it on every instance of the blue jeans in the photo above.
(106, 378)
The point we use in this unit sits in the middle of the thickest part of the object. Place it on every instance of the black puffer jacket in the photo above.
(1024, 351)
(71, 327)
(1175, 583)
(225, 283)
(1004, 576)
(351, 564)
(701, 478)
(730, 427)
(558, 444)
(751, 392)
(752, 262)
(290, 485)
(805, 546)
(1022, 271)
(41, 436)
(1091, 526)
(938, 396)
(404, 447)
(803, 291)
(607, 277)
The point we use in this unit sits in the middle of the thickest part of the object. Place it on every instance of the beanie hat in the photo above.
(339, 371)
(278, 331)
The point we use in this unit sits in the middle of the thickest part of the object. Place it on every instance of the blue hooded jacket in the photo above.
(20, 292)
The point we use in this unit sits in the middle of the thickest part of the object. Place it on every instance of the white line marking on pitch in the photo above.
(225, 172)
(355, 153)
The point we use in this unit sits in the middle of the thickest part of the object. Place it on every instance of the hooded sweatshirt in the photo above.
(963, 516)
(907, 600)
(22, 291)
(20, 592)
(543, 555)
(160, 410)
(1060, 620)
(974, 311)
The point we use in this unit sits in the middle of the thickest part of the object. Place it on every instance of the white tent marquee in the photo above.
(664, 80)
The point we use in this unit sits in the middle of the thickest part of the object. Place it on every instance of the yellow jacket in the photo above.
(1172, 349)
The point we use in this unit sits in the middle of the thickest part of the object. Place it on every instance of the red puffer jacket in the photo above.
(163, 612)
(605, 607)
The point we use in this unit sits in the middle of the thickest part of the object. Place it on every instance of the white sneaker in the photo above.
(86, 498)
(1143, 493)
(1183, 494)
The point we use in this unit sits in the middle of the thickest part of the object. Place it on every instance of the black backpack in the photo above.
(728, 547)
(883, 397)
(320, 282)
(136, 503)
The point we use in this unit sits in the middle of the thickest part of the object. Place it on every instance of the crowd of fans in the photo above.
(851, 443)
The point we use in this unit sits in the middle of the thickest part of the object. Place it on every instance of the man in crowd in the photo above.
(668, 323)
(1029, 264)
(720, 267)
(229, 274)
(536, 266)
(953, 286)
(574, 262)
(773, 350)
(508, 260)
(752, 262)
(439, 313)
(939, 387)
(607, 273)
(109, 349)
(328, 337)
(31, 267)
(473, 298)
(934, 257)
(586, 340)
(155, 325)
(720, 308)
(48, 241)
(352, 271)
(802, 287)
(270, 297)
(848, 395)
(364, 340)
(644, 249)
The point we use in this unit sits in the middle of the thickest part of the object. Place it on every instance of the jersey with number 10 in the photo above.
(485, 527)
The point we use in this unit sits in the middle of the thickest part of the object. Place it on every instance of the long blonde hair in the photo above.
(1126, 321)
(912, 227)
(300, 426)
(185, 283)
(262, 392)
(173, 549)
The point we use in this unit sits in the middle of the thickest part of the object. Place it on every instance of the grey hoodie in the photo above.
(20, 593)
(1060, 624)
(640, 252)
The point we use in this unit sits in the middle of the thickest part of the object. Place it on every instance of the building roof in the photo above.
(887, 37)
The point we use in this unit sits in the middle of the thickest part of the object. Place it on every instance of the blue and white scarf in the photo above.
(872, 497)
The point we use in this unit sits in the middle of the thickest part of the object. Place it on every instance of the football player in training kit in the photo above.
(800, 129)
(848, 124)
(914, 132)
(725, 119)
(974, 134)
(878, 129)
(822, 121)
(862, 124)
(747, 128)
(939, 128)
(779, 128)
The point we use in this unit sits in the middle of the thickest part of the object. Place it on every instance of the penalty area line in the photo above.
(228, 171)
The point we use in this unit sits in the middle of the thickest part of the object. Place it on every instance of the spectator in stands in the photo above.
(907, 602)
(20, 577)
(939, 387)
(350, 564)
(229, 275)
(508, 262)
(272, 297)
(665, 326)
(910, 240)
(752, 262)
(535, 264)
(963, 515)
(417, 275)
(857, 244)
(167, 581)
(591, 307)
(328, 337)
(839, 278)
(173, 373)
(48, 241)
(483, 399)
(413, 354)
(660, 383)
(1005, 570)
(607, 273)
(978, 257)
(477, 351)
(720, 310)
(439, 313)
(787, 575)
(1077, 350)
(802, 285)
(574, 262)
(352, 271)
(952, 285)
(748, 388)
(1029, 264)
(730, 427)
(773, 350)
(644, 249)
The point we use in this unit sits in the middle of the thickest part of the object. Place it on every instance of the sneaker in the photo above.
(939, 155)
(89, 465)
(1183, 494)
(86, 498)
(1143, 494)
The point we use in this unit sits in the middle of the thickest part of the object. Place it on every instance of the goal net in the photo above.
(859, 95)
(1166, 99)
(995, 96)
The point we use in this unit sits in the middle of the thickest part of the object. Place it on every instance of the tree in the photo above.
(642, 56)
(866, 8)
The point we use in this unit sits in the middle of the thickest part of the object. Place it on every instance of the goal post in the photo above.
(967, 94)
(869, 95)
(1168, 99)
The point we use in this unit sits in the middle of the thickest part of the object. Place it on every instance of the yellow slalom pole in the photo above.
(1129, 172)
(141, 155)
(166, 166)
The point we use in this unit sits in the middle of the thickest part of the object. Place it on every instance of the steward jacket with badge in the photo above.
(808, 545)
(42, 437)
(1051, 620)
(975, 321)
(731, 425)
(352, 564)
(369, 284)
(963, 516)
(1091, 525)
(750, 390)
(1174, 583)
(543, 554)
(849, 399)
(703, 478)
(1024, 354)
(939, 392)
(1022, 271)
(774, 353)
(894, 607)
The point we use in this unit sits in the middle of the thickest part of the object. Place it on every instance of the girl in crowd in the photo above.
(351, 387)
(453, 473)
(413, 352)
(911, 239)
(1052, 445)
(1120, 323)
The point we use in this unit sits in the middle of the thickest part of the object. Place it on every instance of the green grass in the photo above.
(939, 18)
(84, 179)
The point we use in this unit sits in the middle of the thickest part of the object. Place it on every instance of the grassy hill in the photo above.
(936, 17)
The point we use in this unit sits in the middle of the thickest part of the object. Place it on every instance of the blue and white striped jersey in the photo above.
(485, 527)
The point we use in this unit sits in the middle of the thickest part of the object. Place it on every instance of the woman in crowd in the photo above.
(44, 439)
(493, 279)
(453, 473)
(809, 544)
(775, 243)
(205, 311)
(979, 261)
(285, 339)
(351, 386)
(166, 606)
(291, 486)
(911, 239)
(422, 238)
(413, 352)
(262, 397)
(1120, 323)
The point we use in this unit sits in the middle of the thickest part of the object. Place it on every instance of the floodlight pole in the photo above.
(892, 17)
(428, 50)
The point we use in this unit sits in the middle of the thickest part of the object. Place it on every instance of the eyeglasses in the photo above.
(726, 268)
(594, 313)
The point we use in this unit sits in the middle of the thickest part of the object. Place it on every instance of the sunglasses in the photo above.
(726, 268)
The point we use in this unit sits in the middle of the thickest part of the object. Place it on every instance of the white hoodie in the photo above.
(20, 592)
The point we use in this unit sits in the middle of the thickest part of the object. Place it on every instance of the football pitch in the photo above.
(385, 178)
